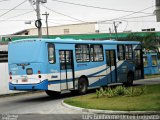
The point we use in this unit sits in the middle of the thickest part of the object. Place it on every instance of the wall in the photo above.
(4, 80)
(73, 29)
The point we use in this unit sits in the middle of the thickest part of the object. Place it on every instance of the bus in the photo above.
(151, 63)
(57, 65)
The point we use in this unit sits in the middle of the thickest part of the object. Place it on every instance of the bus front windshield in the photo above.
(25, 52)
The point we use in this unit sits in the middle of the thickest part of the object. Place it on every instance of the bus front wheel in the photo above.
(82, 85)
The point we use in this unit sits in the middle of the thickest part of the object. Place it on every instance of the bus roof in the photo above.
(73, 41)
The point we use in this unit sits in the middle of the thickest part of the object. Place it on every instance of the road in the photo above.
(36, 105)
(40, 104)
(147, 81)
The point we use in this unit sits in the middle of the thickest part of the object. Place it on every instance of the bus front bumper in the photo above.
(25, 87)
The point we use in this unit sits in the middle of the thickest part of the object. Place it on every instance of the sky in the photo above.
(129, 15)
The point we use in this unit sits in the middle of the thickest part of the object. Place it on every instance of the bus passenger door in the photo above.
(66, 69)
(111, 66)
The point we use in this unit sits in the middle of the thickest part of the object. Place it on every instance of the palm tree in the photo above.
(149, 42)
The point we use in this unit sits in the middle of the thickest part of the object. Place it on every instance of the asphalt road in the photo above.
(147, 81)
(38, 106)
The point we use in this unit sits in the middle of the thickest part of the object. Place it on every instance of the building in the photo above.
(82, 28)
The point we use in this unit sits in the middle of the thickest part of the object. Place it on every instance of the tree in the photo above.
(149, 42)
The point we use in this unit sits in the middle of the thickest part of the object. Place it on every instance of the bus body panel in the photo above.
(65, 71)
(151, 63)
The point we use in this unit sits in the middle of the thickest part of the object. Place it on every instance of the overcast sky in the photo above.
(13, 20)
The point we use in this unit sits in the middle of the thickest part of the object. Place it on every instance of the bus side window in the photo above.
(82, 53)
(120, 50)
(96, 53)
(154, 60)
(51, 53)
(128, 52)
(145, 61)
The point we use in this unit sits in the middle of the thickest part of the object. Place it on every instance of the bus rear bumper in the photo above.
(25, 87)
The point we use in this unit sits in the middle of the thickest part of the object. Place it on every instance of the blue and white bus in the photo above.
(151, 63)
(55, 65)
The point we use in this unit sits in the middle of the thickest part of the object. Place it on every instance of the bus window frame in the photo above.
(146, 58)
(93, 54)
(128, 52)
(123, 52)
(54, 59)
(88, 47)
(155, 60)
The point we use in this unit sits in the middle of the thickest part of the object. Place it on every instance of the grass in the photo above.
(149, 101)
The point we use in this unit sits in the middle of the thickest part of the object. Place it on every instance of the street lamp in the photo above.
(115, 27)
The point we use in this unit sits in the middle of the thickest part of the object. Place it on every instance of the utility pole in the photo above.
(110, 33)
(115, 28)
(39, 24)
(47, 14)
(157, 10)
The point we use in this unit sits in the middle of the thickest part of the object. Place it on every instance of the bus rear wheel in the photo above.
(82, 85)
(52, 93)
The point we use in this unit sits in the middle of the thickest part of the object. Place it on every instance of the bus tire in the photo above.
(130, 78)
(52, 93)
(82, 85)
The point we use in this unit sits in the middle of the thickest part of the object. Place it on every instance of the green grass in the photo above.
(149, 101)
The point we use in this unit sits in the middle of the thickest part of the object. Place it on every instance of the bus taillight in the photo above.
(39, 72)
(10, 73)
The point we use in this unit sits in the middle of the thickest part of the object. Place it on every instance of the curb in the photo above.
(92, 111)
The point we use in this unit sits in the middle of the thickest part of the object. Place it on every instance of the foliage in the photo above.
(150, 101)
(110, 92)
(120, 91)
(100, 92)
(149, 42)
(131, 92)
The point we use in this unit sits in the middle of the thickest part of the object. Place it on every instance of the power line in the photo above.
(12, 9)
(141, 21)
(63, 14)
(4, 0)
(7, 19)
(32, 5)
(130, 15)
(136, 12)
(15, 20)
(16, 9)
(139, 17)
(77, 4)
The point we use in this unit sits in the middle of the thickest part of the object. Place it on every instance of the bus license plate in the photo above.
(24, 80)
